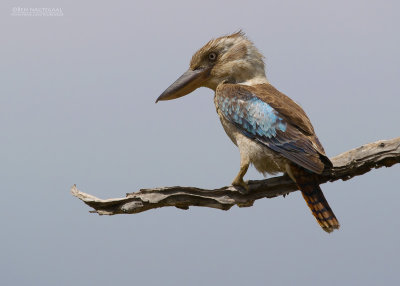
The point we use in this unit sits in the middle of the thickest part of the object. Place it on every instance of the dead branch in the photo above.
(347, 165)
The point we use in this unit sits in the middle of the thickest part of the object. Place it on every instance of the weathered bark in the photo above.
(352, 163)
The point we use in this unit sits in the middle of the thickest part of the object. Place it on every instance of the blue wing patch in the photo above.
(254, 116)
(259, 121)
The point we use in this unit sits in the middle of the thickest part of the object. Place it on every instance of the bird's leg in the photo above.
(244, 166)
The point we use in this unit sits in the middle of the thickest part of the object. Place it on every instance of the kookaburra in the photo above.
(272, 131)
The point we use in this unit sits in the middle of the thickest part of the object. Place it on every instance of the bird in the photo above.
(271, 131)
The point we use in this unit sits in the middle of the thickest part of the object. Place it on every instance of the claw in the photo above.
(241, 186)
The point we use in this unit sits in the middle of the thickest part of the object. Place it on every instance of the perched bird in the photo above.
(272, 132)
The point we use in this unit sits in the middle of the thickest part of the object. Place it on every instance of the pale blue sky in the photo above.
(77, 107)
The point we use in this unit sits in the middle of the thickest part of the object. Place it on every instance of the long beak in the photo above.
(185, 84)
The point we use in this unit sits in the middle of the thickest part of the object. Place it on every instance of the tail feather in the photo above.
(315, 199)
(319, 207)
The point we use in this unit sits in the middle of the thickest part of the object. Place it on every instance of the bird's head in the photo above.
(228, 59)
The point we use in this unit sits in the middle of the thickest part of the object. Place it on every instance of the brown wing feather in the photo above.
(288, 109)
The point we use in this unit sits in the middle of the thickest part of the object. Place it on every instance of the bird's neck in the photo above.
(255, 80)
(243, 72)
(248, 73)
(260, 79)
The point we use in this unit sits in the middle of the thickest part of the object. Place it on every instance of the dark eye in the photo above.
(212, 56)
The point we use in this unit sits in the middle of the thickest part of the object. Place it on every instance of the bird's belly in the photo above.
(264, 159)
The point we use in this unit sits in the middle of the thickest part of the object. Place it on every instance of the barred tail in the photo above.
(319, 207)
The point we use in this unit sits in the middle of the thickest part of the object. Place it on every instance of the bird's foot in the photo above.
(241, 186)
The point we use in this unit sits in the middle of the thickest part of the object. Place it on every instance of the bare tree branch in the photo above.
(352, 163)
